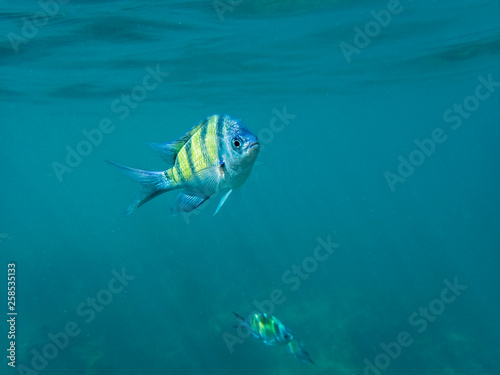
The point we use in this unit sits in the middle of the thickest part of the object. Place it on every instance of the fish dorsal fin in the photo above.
(169, 151)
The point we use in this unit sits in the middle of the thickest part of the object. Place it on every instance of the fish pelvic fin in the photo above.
(223, 199)
(153, 183)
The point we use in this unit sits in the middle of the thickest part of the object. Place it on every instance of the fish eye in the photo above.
(237, 142)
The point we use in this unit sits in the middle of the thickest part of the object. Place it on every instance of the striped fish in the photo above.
(271, 331)
(266, 328)
(216, 155)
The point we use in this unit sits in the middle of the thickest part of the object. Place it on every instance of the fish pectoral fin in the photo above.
(222, 200)
(209, 180)
(187, 202)
(208, 184)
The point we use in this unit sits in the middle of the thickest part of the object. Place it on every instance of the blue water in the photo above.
(340, 163)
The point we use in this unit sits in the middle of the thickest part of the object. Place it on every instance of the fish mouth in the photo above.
(253, 148)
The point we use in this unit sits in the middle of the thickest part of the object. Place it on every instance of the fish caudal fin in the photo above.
(297, 350)
(153, 183)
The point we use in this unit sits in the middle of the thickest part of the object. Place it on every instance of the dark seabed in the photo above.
(370, 225)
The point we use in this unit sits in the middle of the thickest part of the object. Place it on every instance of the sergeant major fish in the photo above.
(266, 328)
(271, 331)
(216, 155)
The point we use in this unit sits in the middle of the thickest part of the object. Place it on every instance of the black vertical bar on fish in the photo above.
(197, 182)
(203, 141)
(179, 173)
(220, 136)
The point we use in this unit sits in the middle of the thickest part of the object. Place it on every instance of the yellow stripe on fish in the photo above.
(183, 163)
(183, 168)
(211, 139)
(198, 159)
(198, 153)
(173, 175)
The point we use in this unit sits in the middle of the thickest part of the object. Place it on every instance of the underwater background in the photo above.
(379, 126)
